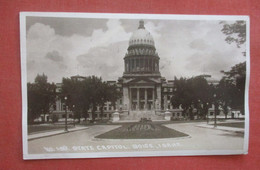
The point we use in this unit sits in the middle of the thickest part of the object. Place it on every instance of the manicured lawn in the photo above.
(141, 131)
(235, 124)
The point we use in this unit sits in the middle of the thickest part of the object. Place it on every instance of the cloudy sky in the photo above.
(63, 47)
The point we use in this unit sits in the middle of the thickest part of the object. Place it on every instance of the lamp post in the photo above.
(207, 106)
(199, 110)
(215, 111)
(66, 116)
(73, 115)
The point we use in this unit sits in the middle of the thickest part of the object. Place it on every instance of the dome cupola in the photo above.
(141, 36)
(141, 58)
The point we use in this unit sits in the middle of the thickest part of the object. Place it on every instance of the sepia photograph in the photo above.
(130, 85)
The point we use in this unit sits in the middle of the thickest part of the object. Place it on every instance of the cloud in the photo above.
(106, 62)
(198, 44)
(54, 56)
(185, 48)
(57, 56)
(40, 31)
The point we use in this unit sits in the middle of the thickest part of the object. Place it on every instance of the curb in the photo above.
(236, 130)
(54, 134)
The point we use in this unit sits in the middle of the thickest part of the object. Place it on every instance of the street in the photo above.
(83, 141)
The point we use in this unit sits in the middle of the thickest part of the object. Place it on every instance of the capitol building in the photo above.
(145, 93)
(141, 81)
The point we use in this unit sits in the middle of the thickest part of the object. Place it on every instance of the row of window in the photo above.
(141, 40)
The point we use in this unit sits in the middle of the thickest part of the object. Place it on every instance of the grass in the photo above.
(235, 124)
(141, 131)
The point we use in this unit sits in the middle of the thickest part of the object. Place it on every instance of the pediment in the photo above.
(142, 81)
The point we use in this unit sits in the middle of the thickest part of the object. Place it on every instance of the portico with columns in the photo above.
(142, 95)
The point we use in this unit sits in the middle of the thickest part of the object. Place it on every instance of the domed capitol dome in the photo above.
(141, 57)
(141, 36)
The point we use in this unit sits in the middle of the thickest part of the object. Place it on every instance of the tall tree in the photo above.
(232, 87)
(192, 93)
(108, 93)
(41, 96)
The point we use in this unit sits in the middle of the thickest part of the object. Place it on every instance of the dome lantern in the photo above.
(141, 24)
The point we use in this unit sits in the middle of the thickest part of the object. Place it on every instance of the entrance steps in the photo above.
(138, 115)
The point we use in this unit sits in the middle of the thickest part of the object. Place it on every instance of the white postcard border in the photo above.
(27, 156)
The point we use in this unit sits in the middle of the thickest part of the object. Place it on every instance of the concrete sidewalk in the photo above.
(225, 128)
(54, 132)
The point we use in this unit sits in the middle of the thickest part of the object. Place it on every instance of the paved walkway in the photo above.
(54, 132)
(225, 128)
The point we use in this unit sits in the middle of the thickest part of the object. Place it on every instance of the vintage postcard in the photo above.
(119, 85)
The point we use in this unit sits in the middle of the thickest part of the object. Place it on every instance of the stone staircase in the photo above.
(137, 115)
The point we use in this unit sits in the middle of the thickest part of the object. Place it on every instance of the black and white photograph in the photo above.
(119, 85)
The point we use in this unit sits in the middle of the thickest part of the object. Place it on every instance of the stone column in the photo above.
(125, 98)
(134, 64)
(152, 64)
(138, 99)
(159, 96)
(153, 99)
(165, 102)
(145, 97)
(158, 65)
(130, 98)
(147, 64)
(125, 65)
(130, 65)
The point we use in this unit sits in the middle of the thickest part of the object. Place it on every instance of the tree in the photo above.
(41, 96)
(235, 32)
(181, 94)
(232, 87)
(76, 92)
(95, 93)
(192, 93)
(88, 94)
(107, 93)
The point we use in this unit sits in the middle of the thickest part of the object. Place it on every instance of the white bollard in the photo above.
(115, 116)
(167, 115)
